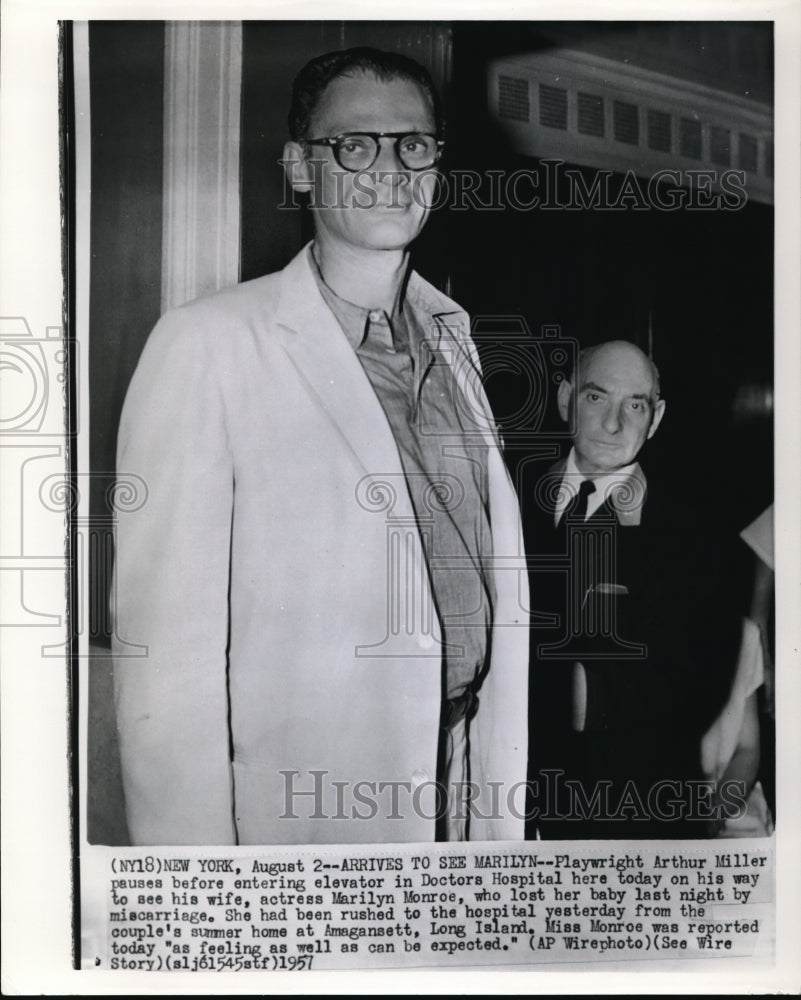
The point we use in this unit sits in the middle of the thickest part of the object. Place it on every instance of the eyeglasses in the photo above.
(356, 151)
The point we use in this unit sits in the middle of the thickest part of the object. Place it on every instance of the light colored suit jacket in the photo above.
(284, 650)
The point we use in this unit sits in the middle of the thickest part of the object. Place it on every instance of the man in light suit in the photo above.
(628, 672)
(327, 571)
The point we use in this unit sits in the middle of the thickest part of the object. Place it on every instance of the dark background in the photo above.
(701, 282)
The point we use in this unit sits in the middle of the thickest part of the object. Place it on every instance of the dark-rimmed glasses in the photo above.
(356, 151)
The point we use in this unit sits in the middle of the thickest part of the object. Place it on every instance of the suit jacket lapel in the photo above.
(451, 336)
(320, 352)
(625, 502)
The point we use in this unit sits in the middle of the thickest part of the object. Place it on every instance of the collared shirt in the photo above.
(447, 482)
(605, 488)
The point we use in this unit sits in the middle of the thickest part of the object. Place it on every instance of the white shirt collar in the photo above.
(605, 486)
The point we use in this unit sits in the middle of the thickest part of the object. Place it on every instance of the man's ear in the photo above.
(298, 170)
(563, 394)
(656, 420)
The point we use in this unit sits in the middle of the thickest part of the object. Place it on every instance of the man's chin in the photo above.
(408, 219)
(602, 464)
(390, 235)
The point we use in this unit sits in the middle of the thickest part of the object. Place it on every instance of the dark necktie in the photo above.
(577, 508)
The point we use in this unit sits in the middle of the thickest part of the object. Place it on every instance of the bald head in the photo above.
(615, 390)
(624, 356)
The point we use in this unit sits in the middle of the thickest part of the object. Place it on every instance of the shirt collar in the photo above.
(605, 486)
(354, 319)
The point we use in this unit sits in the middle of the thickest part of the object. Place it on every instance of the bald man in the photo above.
(627, 652)
(617, 408)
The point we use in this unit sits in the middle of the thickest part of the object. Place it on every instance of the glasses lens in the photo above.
(357, 152)
(417, 152)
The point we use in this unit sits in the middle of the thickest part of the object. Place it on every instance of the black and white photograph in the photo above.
(352, 598)
(425, 470)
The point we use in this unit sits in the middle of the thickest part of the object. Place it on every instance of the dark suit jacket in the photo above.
(655, 624)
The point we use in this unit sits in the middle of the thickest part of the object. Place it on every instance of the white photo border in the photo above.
(36, 825)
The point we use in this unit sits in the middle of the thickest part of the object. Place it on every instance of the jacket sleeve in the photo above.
(170, 593)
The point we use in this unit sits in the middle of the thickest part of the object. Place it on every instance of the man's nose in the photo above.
(611, 419)
(388, 164)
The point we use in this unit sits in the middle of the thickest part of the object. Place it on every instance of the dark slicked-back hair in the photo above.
(311, 81)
